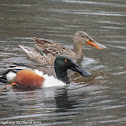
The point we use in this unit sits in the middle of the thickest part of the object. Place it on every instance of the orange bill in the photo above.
(7, 86)
(95, 44)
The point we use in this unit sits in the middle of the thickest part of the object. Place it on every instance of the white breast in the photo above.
(11, 76)
(50, 81)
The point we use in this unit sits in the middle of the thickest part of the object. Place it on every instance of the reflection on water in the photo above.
(97, 100)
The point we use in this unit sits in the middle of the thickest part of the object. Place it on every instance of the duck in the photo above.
(45, 51)
(28, 77)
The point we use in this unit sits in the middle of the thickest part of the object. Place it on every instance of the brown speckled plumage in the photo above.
(46, 52)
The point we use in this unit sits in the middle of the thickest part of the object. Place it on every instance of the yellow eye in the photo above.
(65, 60)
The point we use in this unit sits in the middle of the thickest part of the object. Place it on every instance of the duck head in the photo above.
(81, 37)
(62, 64)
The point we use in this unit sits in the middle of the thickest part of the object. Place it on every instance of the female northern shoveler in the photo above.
(33, 78)
(46, 52)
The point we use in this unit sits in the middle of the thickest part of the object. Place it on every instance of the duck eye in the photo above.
(65, 60)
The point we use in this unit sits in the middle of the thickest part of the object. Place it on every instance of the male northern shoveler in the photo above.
(33, 78)
(46, 52)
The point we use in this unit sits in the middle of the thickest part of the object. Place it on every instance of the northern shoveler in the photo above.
(34, 78)
(46, 52)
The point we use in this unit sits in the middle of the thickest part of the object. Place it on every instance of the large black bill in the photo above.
(78, 69)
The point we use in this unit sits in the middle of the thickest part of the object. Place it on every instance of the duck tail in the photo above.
(26, 49)
(2, 79)
(9, 74)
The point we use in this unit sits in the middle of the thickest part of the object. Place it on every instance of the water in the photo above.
(95, 101)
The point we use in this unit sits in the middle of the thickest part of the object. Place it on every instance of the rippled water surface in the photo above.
(99, 100)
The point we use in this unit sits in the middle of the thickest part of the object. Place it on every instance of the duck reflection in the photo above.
(62, 101)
